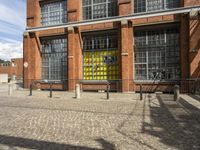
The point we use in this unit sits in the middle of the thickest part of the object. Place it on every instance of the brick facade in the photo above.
(14, 68)
(189, 43)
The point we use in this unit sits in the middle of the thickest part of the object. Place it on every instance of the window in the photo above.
(54, 56)
(100, 56)
(54, 13)
(140, 6)
(94, 9)
(157, 54)
(154, 5)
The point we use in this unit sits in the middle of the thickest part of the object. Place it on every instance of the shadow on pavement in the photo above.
(169, 123)
(12, 142)
(173, 126)
(62, 109)
(120, 127)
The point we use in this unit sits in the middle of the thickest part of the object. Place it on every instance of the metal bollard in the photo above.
(176, 93)
(77, 91)
(108, 89)
(51, 90)
(195, 87)
(31, 89)
(10, 89)
(141, 96)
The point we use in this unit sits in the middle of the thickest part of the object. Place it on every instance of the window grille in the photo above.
(54, 13)
(154, 5)
(172, 4)
(140, 6)
(100, 53)
(54, 56)
(94, 9)
(157, 54)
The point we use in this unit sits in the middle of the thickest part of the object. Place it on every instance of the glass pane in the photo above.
(100, 52)
(158, 53)
(54, 13)
(94, 9)
(154, 5)
(139, 6)
(54, 56)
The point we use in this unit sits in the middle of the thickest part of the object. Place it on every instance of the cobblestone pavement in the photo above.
(92, 122)
(3, 87)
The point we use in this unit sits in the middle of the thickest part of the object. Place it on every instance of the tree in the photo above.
(3, 61)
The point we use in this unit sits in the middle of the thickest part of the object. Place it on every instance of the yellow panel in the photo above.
(101, 70)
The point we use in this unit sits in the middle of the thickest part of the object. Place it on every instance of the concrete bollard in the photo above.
(77, 92)
(10, 89)
(176, 92)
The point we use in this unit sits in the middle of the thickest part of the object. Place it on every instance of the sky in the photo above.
(12, 26)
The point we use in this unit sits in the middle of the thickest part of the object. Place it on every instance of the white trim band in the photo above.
(174, 11)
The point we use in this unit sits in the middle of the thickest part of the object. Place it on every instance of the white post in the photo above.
(176, 93)
(10, 89)
(77, 92)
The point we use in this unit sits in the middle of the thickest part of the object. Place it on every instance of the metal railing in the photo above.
(191, 86)
(33, 85)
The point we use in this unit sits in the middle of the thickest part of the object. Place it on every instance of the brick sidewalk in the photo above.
(123, 122)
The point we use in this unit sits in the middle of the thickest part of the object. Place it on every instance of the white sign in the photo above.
(25, 64)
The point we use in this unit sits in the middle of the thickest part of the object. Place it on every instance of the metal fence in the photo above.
(190, 86)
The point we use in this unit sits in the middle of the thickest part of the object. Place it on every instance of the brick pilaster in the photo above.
(126, 52)
(126, 46)
(32, 57)
(184, 46)
(33, 13)
(71, 59)
(74, 48)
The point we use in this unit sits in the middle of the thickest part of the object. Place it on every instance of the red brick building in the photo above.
(14, 68)
(155, 43)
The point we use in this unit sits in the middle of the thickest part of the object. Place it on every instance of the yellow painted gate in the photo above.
(101, 65)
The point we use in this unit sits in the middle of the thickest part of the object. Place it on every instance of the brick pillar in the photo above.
(131, 59)
(126, 52)
(187, 3)
(184, 46)
(78, 55)
(194, 50)
(74, 10)
(26, 58)
(71, 59)
(31, 50)
(32, 58)
(33, 16)
(125, 7)
(126, 46)
(194, 40)
(74, 14)
(37, 57)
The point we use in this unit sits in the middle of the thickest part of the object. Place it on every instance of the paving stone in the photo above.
(122, 123)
